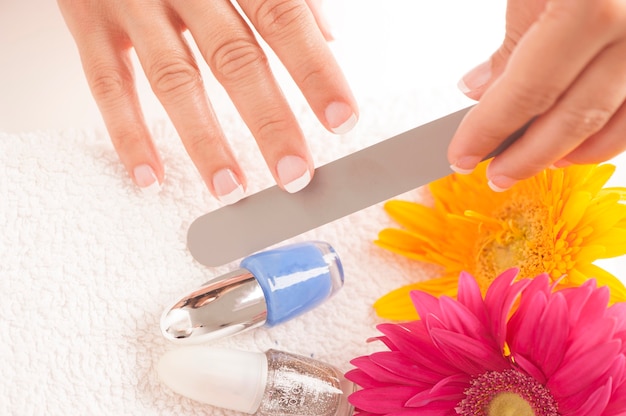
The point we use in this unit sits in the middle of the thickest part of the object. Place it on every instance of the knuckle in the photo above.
(610, 13)
(273, 124)
(313, 76)
(581, 122)
(533, 99)
(108, 84)
(173, 76)
(197, 143)
(274, 16)
(232, 59)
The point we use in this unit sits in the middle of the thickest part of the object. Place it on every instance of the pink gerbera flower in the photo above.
(560, 353)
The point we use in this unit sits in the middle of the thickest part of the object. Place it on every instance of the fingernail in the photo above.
(465, 165)
(340, 117)
(146, 179)
(561, 164)
(475, 78)
(293, 173)
(227, 187)
(501, 183)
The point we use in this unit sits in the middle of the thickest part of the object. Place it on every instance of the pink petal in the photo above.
(467, 354)
(362, 379)
(529, 368)
(382, 400)
(524, 323)
(580, 341)
(551, 335)
(400, 364)
(499, 300)
(459, 318)
(419, 347)
(576, 298)
(617, 406)
(369, 365)
(595, 307)
(470, 296)
(583, 371)
(425, 303)
(596, 402)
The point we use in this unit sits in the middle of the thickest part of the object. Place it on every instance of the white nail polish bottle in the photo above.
(264, 384)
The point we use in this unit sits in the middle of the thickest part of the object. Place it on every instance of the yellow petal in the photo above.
(397, 304)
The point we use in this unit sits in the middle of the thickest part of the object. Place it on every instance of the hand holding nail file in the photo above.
(352, 183)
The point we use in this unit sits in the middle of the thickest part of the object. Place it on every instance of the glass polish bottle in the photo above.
(270, 287)
(274, 383)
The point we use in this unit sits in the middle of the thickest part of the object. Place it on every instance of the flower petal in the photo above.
(382, 400)
(582, 372)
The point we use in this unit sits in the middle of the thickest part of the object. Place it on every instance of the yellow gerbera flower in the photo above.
(559, 221)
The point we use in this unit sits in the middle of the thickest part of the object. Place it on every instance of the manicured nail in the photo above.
(561, 164)
(146, 179)
(293, 173)
(465, 165)
(501, 183)
(227, 187)
(475, 78)
(340, 117)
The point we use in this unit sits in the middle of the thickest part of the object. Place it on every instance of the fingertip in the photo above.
(293, 173)
(340, 117)
(227, 187)
(146, 179)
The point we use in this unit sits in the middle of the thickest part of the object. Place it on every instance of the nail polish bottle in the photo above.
(270, 287)
(274, 383)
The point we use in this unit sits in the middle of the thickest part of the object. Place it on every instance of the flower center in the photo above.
(506, 393)
(518, 235)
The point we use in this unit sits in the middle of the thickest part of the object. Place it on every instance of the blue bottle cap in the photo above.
(271, 287)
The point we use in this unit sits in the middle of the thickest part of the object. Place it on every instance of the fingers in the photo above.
(105, 58)
(604, 145)
(175, 79)
(561, 71)
(584, 110)
(240, 65)
(290, 29)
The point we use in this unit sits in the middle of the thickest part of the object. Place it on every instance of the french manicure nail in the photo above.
(475, 78)
(293, 173)
(340, 117)
(501, 183)
(146, 179)
(227, 187)
(562, 163)
(465, 165)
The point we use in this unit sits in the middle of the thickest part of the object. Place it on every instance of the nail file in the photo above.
(346, 185)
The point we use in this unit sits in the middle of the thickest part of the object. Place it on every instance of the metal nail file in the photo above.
(346, 185)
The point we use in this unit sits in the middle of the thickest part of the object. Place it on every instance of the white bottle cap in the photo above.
(230, 379)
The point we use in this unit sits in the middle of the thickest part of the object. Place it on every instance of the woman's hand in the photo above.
(105, 31)
(563, 62)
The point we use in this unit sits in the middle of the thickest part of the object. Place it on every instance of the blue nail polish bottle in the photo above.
(269, 288)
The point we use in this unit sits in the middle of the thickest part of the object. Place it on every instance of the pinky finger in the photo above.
(604, 145)
(108, 68)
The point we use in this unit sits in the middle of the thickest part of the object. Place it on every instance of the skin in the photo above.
(563, 62)
(105, 32)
